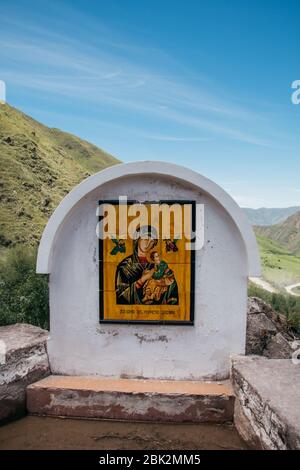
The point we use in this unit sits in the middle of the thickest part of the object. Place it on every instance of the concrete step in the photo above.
(131, 399)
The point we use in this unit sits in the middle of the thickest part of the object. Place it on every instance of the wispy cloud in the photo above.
(170, 138)
(107, 71)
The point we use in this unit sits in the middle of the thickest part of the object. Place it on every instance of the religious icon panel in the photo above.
(146, 266)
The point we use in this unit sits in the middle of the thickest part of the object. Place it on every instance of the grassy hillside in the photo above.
(286, 233)
(39, 166)
(280, 267)
(268, 216)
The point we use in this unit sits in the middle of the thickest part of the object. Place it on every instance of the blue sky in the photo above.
(202, 84)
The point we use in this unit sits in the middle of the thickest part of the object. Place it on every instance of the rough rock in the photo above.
(23, 360)
(278, 347)
(267, 331)
(267, 407)
(259, 331)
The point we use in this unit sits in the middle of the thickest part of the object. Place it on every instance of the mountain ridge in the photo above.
(265, 216)
(286, 233)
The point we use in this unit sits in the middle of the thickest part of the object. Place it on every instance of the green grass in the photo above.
(279, 266)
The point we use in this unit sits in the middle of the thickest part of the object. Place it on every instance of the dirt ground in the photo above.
(58, 433)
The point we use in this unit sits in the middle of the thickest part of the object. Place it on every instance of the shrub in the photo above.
(23, 294)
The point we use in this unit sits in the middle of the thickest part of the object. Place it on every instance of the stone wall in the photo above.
(267, 406)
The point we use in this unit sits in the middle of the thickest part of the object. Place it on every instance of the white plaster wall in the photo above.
(79, 345)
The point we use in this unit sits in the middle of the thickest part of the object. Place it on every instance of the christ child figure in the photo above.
(161, 267)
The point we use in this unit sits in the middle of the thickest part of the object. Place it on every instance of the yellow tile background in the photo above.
(179, 262)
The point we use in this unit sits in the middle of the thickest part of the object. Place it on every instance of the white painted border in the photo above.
(148, 168)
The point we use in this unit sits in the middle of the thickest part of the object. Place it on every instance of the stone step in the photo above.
(131, 399)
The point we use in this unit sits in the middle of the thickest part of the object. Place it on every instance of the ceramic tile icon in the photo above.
(148, 278)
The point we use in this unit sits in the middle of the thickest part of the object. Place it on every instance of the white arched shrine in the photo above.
(68, 252)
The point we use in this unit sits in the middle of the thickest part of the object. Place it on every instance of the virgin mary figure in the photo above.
(134, 271)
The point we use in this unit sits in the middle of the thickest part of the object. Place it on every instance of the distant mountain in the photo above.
(286, 233)
(265, 216)
(39, 166)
